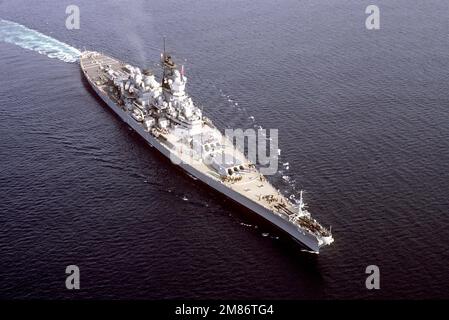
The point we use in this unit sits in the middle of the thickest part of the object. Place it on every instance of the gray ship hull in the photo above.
(306, 239)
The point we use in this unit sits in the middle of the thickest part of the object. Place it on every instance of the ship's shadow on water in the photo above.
(303, 261)
(300, 259)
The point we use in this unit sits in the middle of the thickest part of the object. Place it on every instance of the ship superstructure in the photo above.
(167, 118)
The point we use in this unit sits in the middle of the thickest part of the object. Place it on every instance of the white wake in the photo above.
(15, 33)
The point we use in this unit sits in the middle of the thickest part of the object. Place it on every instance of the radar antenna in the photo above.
(163, 55)
(301, 201)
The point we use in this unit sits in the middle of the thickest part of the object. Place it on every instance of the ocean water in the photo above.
(363, 123)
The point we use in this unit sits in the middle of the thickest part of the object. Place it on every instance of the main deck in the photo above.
(251, 184)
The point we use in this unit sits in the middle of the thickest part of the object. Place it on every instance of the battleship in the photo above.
(165, 116)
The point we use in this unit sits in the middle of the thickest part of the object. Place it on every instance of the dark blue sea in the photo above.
(363, 119)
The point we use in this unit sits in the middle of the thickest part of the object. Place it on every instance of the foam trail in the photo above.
(15, 33)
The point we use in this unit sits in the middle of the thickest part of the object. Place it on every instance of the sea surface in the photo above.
(363, 119)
